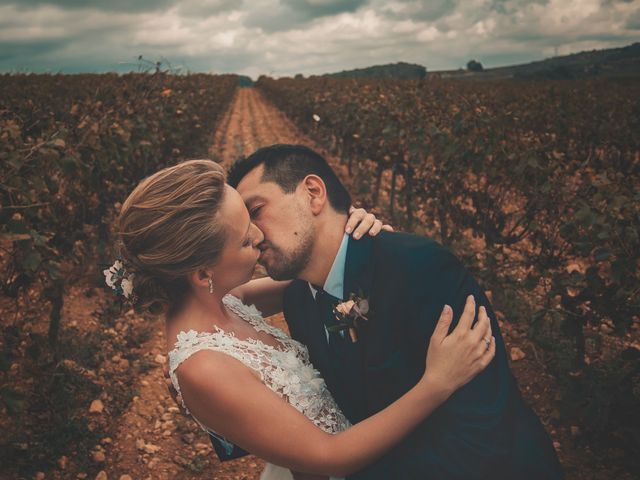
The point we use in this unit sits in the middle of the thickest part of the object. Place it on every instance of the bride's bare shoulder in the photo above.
(214, 372)
(207, 362)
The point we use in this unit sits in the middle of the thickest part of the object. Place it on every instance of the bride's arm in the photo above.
(266, 294)
(230, 399)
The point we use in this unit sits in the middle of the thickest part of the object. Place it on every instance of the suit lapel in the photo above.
(349, 363)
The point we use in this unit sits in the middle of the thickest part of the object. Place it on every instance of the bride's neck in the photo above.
(197, 312)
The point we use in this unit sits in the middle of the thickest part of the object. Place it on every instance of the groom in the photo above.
(484, 430)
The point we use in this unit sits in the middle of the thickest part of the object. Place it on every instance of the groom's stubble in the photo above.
(283, 264)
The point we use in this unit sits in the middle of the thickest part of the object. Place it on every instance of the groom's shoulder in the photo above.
(295, 291)
(407, 246)
(409, 257)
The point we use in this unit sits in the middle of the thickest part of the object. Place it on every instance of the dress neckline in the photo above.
(231, 301)
(239, 308)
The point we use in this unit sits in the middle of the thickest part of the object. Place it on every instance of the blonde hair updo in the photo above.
(167, 229)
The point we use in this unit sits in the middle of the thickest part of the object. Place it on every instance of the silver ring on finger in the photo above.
(488, 342)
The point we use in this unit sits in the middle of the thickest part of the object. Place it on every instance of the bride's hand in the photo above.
(454, 359)
(361, 222)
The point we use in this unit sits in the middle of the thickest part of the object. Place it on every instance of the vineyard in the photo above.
(536, 185)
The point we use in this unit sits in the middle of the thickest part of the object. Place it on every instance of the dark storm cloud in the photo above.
(286, 15)
(186, 7)
(420, 10)
(321, 8)
(633, 21)
(109, 5)
(278, 18)
(20, 51)
(508, 7)
(284, 37)
(205, 8)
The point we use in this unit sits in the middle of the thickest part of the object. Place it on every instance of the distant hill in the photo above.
(245, 81)
(618, 62)
(612, 62)
(400, 70)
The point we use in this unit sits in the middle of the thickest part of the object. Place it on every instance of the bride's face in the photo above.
(240, 253)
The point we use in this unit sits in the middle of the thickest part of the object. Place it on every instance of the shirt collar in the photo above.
(334, 284)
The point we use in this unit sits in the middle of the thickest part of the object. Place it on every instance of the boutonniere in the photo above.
(351, 316)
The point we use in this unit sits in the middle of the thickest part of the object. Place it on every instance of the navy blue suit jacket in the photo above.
(484, 430)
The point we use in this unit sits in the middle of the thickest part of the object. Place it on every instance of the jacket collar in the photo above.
(358, 266)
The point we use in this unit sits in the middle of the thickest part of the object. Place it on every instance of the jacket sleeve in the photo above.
(291, 306)
(468, 436)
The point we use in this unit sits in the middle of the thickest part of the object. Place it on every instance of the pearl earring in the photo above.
(210, 286)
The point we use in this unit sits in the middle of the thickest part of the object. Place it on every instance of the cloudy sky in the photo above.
(285, 37)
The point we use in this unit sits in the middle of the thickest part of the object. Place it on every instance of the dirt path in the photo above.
(251, 123)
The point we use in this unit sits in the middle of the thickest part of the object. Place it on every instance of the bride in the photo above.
(188, 251)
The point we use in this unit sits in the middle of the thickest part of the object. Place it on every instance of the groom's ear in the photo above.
(315, 192)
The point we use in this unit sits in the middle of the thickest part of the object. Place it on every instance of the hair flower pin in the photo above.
(120, 281)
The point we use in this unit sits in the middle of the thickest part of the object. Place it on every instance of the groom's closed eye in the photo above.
(255, 211)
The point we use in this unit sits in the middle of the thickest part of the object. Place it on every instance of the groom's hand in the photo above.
(361, 222)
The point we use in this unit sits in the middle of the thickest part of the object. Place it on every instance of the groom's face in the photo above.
(286, 222)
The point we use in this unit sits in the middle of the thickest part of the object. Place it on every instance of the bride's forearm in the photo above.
(265, 293)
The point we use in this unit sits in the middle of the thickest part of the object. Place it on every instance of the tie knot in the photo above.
(323, 295)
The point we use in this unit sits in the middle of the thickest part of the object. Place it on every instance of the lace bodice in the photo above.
(287, 370)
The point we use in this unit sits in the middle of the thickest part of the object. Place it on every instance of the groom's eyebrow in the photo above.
(253, 199)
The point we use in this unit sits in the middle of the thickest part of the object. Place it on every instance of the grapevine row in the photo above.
(72, 147)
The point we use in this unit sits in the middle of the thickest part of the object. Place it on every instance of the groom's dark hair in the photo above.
(287, 165)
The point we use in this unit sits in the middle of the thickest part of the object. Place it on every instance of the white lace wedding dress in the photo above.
(287, 371)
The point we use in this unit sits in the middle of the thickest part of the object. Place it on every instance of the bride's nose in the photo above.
(258, 236)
